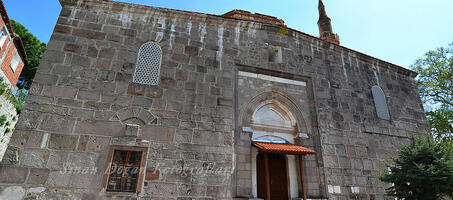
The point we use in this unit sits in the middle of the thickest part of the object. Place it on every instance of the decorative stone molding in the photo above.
(136, 116)
(271, 94)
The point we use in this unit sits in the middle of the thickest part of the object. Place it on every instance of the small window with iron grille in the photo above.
(125, 169)
(147, 68)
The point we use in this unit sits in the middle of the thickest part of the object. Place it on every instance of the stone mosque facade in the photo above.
(139, 102)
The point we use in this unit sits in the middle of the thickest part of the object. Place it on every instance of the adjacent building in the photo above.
(12, 52)
(139, 102)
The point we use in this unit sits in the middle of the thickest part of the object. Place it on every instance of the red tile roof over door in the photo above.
(281, 148)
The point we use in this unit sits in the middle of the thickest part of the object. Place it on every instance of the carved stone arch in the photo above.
(273, 95)
(136, 116)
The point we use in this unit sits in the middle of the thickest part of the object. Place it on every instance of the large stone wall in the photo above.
(8, 110)
(82, 100)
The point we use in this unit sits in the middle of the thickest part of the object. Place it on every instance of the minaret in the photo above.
(325, 27)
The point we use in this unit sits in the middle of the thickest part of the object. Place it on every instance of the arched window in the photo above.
(147, 68)
(380, 102)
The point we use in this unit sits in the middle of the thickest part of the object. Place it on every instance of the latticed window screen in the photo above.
(147, 68)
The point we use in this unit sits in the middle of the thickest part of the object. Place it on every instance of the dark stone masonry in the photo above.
(224, 82)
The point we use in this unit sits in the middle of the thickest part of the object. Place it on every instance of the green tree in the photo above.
(34, 50)
(423, 170)
(435, 83)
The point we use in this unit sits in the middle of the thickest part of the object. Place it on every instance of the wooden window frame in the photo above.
(142, 170)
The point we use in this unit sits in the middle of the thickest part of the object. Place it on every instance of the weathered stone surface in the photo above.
(11, 156)
(83, 99)
(132, 130)
(62, 142)
(107, 128)
(81, 160)
(38, 176)
(156, 133)
(13, 174)
(34, 158)
(12, 193)
(58, 179)
(161, 189)
(57, 159)
(98, 144)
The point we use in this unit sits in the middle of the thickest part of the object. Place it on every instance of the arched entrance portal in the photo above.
(277, 165)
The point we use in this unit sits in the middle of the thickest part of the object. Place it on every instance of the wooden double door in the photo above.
(277, 175)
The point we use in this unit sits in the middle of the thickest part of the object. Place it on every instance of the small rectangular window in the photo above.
(15, 62)
(125, 169)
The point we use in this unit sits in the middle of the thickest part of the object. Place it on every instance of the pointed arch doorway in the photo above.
(277, 163)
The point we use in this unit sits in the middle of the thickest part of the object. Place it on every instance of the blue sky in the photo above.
(398, 31)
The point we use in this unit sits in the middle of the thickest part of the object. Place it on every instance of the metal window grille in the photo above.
(124, 171)
(147, 68)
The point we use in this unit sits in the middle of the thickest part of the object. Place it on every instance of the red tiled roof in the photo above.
(281, 148)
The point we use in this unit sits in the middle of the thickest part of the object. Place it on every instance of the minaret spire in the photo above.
(325, 27)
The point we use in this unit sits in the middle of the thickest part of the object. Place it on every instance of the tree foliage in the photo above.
(34, 50)
(435, 83)
(423, 171)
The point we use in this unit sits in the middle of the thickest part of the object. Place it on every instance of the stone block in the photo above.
(153, 92)
(162, 189)
(57, 123)
(191, 51)
(107, 53)
(88, 95)
(63, 142)
(142, 101)
(30, 139)
(64, 92)
(132, 130)
(367, 164)
(98, 144)
(89, 34)
(81, 160)
(13, 174)
(12, 193)
(81, 61)
(38, 176)
(36, 158)
(96, 105)
(11, 156)
(183, 136)
(192, 190)
(58, 179)
(107, 128)
(208, 138)
(167, 83)
(159, 134)
(152, 175)
(174, 95)
(54, 57)
(57, 160)
(86, 181)
(74, 48)
(136, 89)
